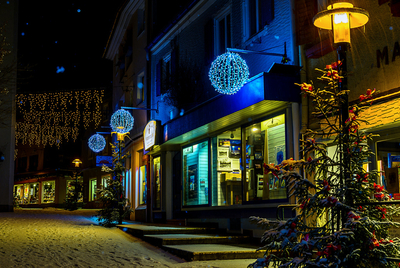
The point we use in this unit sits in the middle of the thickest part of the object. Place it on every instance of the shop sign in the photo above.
(150, 134)
(103, 160)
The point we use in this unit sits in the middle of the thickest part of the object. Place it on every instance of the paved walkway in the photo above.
(58, 238)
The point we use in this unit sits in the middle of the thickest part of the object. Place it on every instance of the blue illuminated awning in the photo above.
(263, 94)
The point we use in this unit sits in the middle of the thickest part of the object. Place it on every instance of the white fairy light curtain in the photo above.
(53, 118)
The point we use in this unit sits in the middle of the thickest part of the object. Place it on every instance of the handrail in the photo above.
(283, 206)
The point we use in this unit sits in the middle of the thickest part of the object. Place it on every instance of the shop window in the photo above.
(157, 183)
(257, 14)
(388, 163)
(48, 191)
(227, 176)
(195, 174)
(142, 185)
(128, 183)
(33, 196)
(104, 181)
(18, 193)
(265, 143)
(92, 189)
(223, 32)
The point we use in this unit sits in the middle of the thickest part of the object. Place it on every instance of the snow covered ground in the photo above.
(57, 238)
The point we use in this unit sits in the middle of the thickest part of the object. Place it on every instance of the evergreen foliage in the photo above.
(113, 195)
(343, 215)
(73, 195)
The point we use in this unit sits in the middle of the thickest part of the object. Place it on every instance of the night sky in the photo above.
(61, 43)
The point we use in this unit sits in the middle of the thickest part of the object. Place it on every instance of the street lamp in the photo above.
(341, 17)
(77, 162)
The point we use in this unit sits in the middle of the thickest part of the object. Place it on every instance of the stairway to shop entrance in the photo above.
(195, 243)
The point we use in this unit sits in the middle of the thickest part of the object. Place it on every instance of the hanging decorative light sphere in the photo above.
(228, 73)
(97, 143)
(121, 121)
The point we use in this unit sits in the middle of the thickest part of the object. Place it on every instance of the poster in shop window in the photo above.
(193, 184)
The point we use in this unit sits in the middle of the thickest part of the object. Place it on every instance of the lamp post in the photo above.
(121, 123)
(340, 17)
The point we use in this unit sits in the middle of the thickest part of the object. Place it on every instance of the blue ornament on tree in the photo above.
(121, 121)
(228, 73)
(97, 143)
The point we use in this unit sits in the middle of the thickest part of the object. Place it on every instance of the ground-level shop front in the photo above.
(383, 120)
(44, 191)
(211, 160)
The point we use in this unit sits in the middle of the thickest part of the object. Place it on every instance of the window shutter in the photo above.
(266, 11)
(209, 42)
(158, 77)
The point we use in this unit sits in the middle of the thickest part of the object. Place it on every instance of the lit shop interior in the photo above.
(232, 182)
(388, 163)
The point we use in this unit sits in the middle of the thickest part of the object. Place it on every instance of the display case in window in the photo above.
(142, 185)
(18, 193)
(157, 183)
(195, 174)
(48, 191)
(265, 143)
(33, 193)
(92, 189)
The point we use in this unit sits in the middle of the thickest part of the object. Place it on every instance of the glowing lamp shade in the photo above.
(341, 17)
(77, 162)
(121, 121)
(228, 73)
(97, 143)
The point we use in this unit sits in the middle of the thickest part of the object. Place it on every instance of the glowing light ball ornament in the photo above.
(228, 73)
(121, 121)
(97, 143)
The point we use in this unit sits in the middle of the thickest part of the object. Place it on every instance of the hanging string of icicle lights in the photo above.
(51, 118)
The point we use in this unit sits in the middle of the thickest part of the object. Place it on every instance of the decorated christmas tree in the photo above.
(74, 195)
(343, 215)
(112, 196)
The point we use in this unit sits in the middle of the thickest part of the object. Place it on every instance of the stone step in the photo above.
(203, 252)
(185, 239)
(140, 230)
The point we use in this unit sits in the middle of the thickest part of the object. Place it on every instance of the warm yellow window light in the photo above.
(341, 17)
(77, 162)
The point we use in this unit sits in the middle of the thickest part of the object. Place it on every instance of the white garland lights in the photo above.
(97, 143)
(121, 121)
(55, 117)
(228, 73)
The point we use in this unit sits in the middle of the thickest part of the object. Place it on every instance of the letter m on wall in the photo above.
(382, 56)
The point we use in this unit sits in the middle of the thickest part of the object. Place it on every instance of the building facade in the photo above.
(208, 165)
(126, 48)
(373, 60)
(205, 164)
(8, 87)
